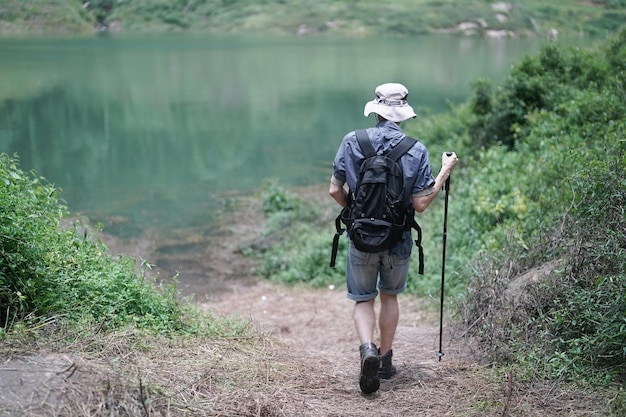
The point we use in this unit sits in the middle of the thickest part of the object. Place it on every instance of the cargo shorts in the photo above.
(368, 273)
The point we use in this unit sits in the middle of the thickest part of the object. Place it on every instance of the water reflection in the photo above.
(151, 128)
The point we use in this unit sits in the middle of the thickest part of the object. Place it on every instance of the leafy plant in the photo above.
(277, 199)
(47, 268)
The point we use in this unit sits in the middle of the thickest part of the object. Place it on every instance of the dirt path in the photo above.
(317, 322)
(320, 321)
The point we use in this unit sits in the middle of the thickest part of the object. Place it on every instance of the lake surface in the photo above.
(152, 129)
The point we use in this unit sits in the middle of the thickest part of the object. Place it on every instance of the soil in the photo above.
(311, 331)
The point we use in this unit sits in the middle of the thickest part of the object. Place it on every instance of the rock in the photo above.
(501, 17)
(502, 7)
(518, 287)
(115, 26)
(302, 30)
(499, 34)
(465, 26)
(552, 34)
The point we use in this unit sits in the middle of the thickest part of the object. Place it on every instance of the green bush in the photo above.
(589, 315)
(536, 83)
(50, 270)
(567, 168)
(277, 199)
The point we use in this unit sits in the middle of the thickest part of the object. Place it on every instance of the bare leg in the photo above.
(365, 320)
(388, 321)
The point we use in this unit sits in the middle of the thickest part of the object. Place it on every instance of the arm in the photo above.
(448, 162)
(338, 193)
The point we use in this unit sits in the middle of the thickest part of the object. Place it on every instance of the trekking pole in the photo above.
(443, 262)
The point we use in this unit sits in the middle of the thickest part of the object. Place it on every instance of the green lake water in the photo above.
(153, 129)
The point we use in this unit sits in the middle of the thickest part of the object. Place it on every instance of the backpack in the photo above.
(378, 211)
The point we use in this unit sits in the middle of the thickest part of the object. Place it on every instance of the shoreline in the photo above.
(210, 259)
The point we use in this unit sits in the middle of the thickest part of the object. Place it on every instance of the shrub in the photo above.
(48, 270)
(569, 165)
(536, 83)
(296, 247)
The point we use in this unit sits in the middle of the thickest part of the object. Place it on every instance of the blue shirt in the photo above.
(418, 177)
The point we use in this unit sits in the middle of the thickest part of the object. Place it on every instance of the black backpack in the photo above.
(378, 211)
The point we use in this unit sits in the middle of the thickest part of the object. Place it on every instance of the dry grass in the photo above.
(133, 374)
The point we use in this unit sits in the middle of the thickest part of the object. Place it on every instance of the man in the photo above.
(368, 274)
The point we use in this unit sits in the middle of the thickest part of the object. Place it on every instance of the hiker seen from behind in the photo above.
(381, 177)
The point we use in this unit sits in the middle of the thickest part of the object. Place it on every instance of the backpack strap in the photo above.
(395, 153)
(340, 230)
(365, 143)
(418, 242)
(401, 148)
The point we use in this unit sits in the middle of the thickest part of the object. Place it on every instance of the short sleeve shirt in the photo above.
(418, 178)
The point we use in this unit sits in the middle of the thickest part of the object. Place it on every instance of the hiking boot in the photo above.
(370, 362)
(386, 370)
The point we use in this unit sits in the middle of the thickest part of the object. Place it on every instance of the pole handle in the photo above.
(447, 184)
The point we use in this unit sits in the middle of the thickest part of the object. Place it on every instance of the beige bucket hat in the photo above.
(391, 103)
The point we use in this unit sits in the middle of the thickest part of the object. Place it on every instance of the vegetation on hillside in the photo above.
(365, 17)
(557, 123)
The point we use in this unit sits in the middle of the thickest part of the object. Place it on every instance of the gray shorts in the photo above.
(367, 273)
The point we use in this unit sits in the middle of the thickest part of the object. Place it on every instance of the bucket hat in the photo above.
(391, 103)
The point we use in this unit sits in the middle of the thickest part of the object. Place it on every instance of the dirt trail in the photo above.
(320, 321)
